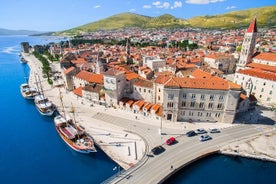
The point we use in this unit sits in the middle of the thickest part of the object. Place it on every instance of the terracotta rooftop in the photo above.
(90, 77)
(262, 66)
(144, 83)
(265, 56)
(131, 75)
(259, 73)
(78, 91)
(113, 72)
(67, 71)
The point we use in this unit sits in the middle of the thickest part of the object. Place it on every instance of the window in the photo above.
(221, 98)
(170, 104)
(260, 96)
(217, 115)
(202, 97)
(159, 90)
(201, 105)
(264, 83)
(220, 106)
(208, 114)
(183, 104)
(210, 105)
(184, 96)
(170, 96)
(144, 90)
(199, 114)
(149, 91)
(182, 113)
(193, 96)
(242, 78)
(268, 99)
(191, 113)
(211, 97)
(192, 104)
(270, 92)
(254, 87)
(158, 97)
(262, 90)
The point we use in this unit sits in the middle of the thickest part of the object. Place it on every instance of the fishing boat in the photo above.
(27, 91)
(73, 135)
(43, 105)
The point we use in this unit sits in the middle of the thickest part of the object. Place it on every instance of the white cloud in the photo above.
(177, 4)
(158, 4)
(230, 7)
(97, 6)
(147, 6)
(203, 1)
(132, 10)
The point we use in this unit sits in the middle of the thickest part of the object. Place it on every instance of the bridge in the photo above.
(158, 168)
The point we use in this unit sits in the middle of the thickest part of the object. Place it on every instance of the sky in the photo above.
(58, 15)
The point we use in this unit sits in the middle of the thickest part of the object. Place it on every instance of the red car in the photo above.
(170, 141)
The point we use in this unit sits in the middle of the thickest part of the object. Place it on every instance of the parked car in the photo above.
(170, 141)
(201, 131)
(157, 150)
(191, 133)
(205, 137)
(214, 130)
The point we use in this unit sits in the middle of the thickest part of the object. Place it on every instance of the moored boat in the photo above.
(74, 136)
(44, 106)
(27, 91)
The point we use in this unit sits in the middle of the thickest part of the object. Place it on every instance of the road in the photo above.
(156, 169)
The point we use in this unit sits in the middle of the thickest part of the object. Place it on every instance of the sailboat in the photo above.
(27, 91)
(73, 135)
(43, 105)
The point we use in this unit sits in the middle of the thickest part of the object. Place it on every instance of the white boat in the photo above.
(27, 91)
(44, 106)
(74, 136)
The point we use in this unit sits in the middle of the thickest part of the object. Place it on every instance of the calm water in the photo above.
(32, 152)
(226, 170)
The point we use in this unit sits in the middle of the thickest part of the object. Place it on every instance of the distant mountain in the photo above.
(17, 32)
(266, 16)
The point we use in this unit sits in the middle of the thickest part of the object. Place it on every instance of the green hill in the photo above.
(266, 16)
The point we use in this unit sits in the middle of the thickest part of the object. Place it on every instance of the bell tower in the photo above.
(248, 45)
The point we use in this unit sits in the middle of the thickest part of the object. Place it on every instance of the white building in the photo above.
(154, 63)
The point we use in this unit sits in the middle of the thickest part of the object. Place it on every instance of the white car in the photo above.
(205, 137)
(214, 130)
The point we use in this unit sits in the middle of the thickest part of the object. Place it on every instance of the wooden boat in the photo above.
(44, 106)
(27, 91)
(74, 136)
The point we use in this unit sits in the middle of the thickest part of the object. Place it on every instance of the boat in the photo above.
(43, 105)
(73, 135)
(23, 60)
(27, 91)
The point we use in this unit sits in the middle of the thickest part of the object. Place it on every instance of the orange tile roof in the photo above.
(90, 77)
(262, 66)
(265, 56)
(139, 103)
(259, 73)
(144, 83)
(78, 91)
(67, 71)
(243, 96)
(155, 107)
(131, 75)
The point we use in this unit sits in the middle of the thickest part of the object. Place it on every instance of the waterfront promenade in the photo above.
(127, 139)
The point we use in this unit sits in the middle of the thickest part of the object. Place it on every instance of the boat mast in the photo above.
(62, 105)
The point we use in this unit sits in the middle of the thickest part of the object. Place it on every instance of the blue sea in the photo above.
(32, 151)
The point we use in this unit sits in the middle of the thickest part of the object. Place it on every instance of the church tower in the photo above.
(248, 45)
(128, 46)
